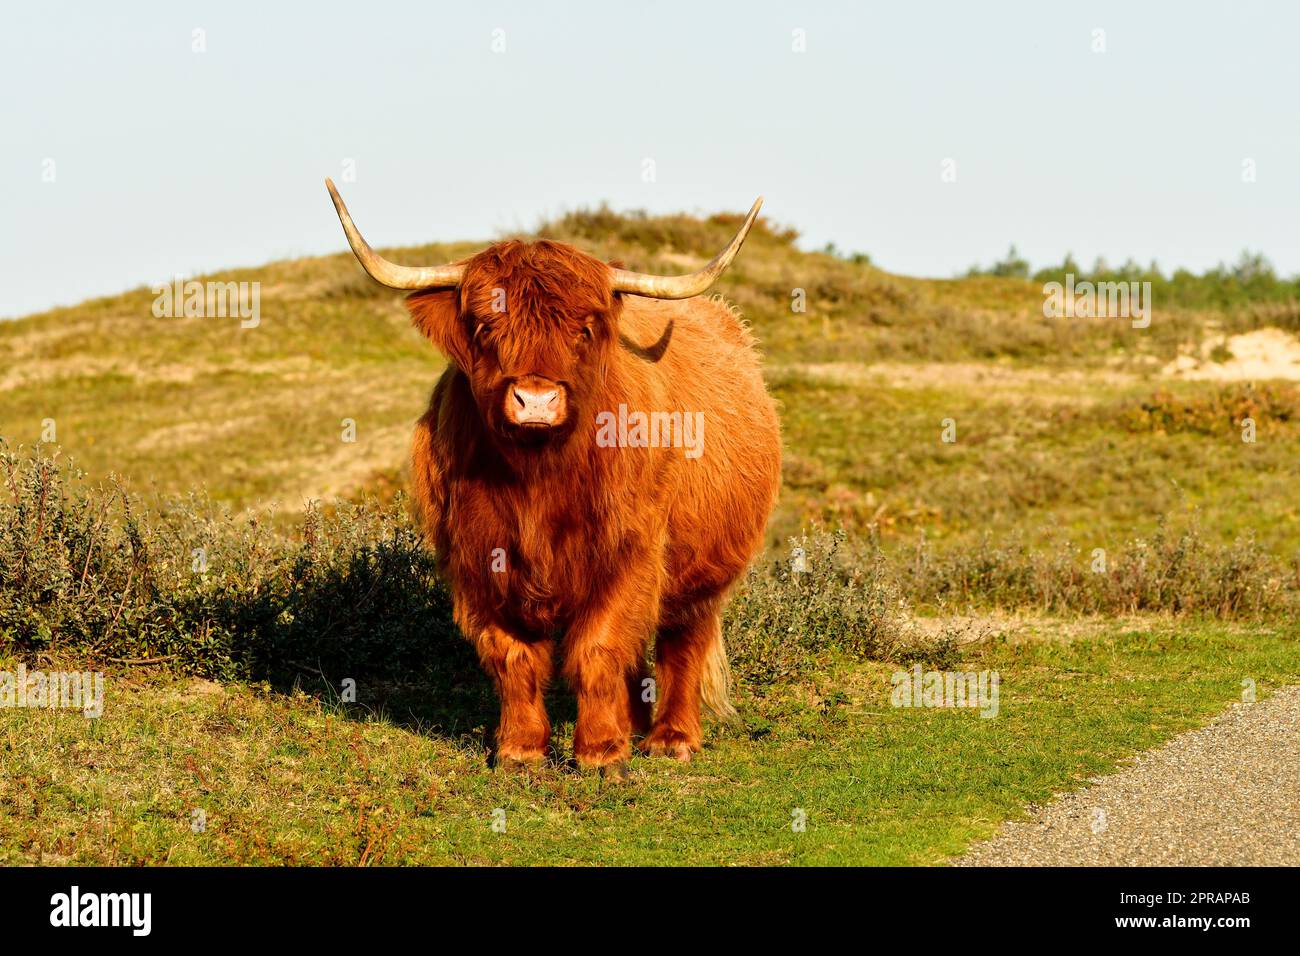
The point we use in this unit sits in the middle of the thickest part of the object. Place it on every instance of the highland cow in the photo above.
(564, 550)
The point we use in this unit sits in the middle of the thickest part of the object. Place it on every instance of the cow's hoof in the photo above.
(519, 763)
(616, 772)
(672, 745)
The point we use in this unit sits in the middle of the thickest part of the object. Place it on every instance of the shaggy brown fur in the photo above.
(560, 549)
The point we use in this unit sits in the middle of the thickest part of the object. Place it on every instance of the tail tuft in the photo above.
(715, 682)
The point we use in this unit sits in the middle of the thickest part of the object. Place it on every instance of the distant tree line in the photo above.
(1251, 278)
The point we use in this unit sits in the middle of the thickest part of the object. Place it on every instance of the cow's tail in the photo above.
(715, 681)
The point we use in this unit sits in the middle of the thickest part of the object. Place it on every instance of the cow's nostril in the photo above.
(519, 398)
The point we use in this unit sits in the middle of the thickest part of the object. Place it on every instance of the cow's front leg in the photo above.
(520, 669)
(603, 657)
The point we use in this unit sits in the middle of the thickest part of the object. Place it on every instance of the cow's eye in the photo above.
(586, 333)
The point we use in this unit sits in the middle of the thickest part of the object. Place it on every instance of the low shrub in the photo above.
(99, 574)
(1216, 412)
(96, 572)
(791, 614)
(1173, 571)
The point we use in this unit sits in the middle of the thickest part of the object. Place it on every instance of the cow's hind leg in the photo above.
(520, 670)
(682, 654)
(640, 698)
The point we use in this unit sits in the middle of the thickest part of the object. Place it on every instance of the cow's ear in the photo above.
(436, 313)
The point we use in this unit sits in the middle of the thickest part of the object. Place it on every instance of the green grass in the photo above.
(1079, 458)
(287, 778)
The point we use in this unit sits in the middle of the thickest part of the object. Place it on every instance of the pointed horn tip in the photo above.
(752, 217)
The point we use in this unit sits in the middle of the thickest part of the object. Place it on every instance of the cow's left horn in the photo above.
(390, 273)
(683, 287)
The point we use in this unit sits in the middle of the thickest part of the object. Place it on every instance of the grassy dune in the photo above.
(1045, 409)
(1071, 435)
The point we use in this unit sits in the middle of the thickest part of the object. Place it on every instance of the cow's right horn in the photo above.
(683, 287)
(390, 273)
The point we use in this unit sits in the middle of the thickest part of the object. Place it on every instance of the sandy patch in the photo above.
(1255, 356)
(1025, 627)
(931, 374)
(188, 434)
(1033, 627)
(36, 371)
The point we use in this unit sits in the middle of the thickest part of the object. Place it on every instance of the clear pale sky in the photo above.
(167, 160)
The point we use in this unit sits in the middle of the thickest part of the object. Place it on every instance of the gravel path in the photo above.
(1226, 794)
